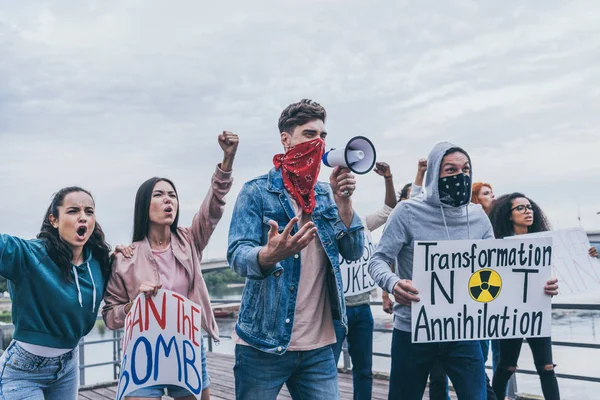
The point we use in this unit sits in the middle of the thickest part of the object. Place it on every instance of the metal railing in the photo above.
(115, 362)
(117, 351)
(574, 307)
(512, 389)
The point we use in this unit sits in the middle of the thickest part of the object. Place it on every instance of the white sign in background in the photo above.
(483, 289)
(576, 271)
(162, 344)
(355, 274)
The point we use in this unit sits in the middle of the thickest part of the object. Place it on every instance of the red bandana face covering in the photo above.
(300, 167)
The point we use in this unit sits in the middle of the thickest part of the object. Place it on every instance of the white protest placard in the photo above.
(355, 274)
(576, 271)
(162, 344)
(481, 289)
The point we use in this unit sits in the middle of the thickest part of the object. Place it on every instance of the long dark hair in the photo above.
(59, 251)
(403, 195)
(141, 215)
(501, 212)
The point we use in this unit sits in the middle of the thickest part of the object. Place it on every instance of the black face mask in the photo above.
(455, 190)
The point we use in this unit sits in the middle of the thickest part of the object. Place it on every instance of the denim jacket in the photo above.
(268, 304)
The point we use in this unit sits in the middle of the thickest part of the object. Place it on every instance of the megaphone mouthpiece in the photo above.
(354, 156)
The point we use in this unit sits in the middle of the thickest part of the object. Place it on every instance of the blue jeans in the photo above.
(307, 374)
(360, 347)
(495, 354)
(26, 376)
(485, 349)
(438, 382)
(411, 363)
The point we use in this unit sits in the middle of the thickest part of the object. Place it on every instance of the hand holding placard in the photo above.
(405, 293)
(162, 343)
(551, 287)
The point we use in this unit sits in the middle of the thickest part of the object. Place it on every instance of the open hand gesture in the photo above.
(283, 245)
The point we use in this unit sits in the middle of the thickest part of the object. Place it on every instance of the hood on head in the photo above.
(434, 162)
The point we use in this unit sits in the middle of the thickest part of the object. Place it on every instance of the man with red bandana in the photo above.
(286, 236)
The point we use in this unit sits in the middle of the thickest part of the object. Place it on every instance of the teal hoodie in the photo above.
(48, 310)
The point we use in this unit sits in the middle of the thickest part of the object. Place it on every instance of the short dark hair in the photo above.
(141, 214)
(502, 210)
(300, 113)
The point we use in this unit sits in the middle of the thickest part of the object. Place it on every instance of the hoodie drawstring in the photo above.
(468, 225)
(445, 224)
(94, 286)
(79, 288)
(77, 284)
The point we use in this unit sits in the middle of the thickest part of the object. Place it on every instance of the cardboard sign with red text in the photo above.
(162, 344)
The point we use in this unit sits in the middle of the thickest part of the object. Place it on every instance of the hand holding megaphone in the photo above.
(342, 182)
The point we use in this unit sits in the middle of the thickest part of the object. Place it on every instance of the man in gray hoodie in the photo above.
(438, 215)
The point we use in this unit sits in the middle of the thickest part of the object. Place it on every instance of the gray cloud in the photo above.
(107, 94)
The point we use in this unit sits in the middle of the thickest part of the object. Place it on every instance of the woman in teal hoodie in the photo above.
(56, 283)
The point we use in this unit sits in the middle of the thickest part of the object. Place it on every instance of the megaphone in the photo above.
(358, 155)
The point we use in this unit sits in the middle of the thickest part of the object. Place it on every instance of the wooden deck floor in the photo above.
(222, 383)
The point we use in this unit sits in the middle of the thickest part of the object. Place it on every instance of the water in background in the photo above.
(568, 326)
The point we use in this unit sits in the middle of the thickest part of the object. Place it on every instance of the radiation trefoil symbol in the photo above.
(485, 285)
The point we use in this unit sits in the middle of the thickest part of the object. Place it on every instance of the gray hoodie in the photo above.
(423, 218)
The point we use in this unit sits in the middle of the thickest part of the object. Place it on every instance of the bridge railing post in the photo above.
(346, 356)
(81, 362)
(512, 387)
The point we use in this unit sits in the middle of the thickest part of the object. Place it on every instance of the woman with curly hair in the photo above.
(516, 214)
(56, 284)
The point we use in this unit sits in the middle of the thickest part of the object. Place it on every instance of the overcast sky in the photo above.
(106, 94)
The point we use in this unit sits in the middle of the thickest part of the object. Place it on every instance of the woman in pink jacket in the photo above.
(166, 256)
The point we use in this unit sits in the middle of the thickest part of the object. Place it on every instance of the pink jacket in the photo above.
(187, 245)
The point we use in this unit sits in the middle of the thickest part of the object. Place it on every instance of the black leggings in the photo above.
(541, 348)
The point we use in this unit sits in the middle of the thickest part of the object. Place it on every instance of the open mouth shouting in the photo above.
(81, 232)
(169, 210)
